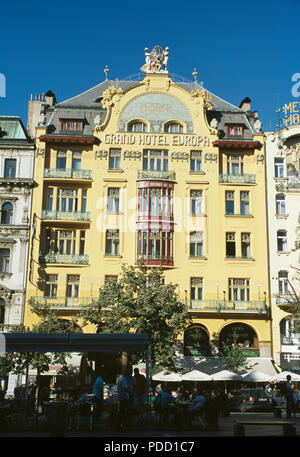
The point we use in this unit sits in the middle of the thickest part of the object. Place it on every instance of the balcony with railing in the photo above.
(149, 174)
(287, 302)
(56, 258)
(157, 259)
(67, 173)
(80, 216)
(62, 303)
(242, 178)
(221, 306)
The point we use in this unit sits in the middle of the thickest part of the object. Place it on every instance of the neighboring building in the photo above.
(16, 183)
(162, 170)
(283, 166)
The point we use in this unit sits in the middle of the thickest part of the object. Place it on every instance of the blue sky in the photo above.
(240, 49)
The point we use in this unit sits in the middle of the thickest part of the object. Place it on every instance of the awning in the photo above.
(76, 342)
(212, 365)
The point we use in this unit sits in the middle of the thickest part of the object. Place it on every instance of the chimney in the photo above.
(245, 104)
(50, 98)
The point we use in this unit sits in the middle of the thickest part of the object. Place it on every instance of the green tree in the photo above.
(233, 358)
(140, 302)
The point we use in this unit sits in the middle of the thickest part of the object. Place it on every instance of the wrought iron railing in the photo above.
(244, 178)
(67, 173)
(54, 257)
(231, 306)
(62, 302)
(66, 215)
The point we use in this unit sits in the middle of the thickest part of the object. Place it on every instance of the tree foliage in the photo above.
(233, 358)
(140, 302)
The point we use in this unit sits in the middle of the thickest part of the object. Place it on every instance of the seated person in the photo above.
(167, 406)
(197, 409)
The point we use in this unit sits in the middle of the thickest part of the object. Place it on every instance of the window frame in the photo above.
(196, 244)
(10, 170)
(65, 125)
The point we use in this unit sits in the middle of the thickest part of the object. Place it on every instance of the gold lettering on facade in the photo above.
(155, 108)
(156, 140)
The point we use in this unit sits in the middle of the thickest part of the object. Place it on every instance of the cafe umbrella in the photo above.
(282, 376)
(226, 376)
(256, 376)
(167, 377)
(196, 376)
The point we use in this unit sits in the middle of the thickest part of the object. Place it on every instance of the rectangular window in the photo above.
(50, 199)
(279, 167)
(113, 200)
(280, 204)
(155, 160)
(67, 200)
(66, 241)
(61, 160)
(71, 125)
(282, 241)
(235, 165)
(114, 159)
(4, 260)
(196, 202)
(51, 286)
(283, 283)
(112, 243)
(73, 286)
(234, 130)
(230, 244)
(196, 244)
(155, 202)
(196, 161)
(110, 278)
(229, 202)
(239, 289)
(197, 289)
(244, 203)
(83, 200)
(246, 245)
(10, 168)
(82, 242)
(76, 160)
(154, 244)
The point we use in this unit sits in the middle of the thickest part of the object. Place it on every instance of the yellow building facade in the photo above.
(160, 170)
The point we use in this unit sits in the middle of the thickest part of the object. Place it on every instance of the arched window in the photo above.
(241, 334)
(173, 127)
(137, 127)
(196, 341)
(7, 213)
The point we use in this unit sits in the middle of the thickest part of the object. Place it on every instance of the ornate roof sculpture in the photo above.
(156, 61)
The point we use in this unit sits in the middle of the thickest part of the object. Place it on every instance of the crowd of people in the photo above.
(179, 406)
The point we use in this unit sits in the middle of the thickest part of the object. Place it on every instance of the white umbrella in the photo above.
(226, 375)
(282, 376)
(165, 376)
(196, 375)
(256, 376)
